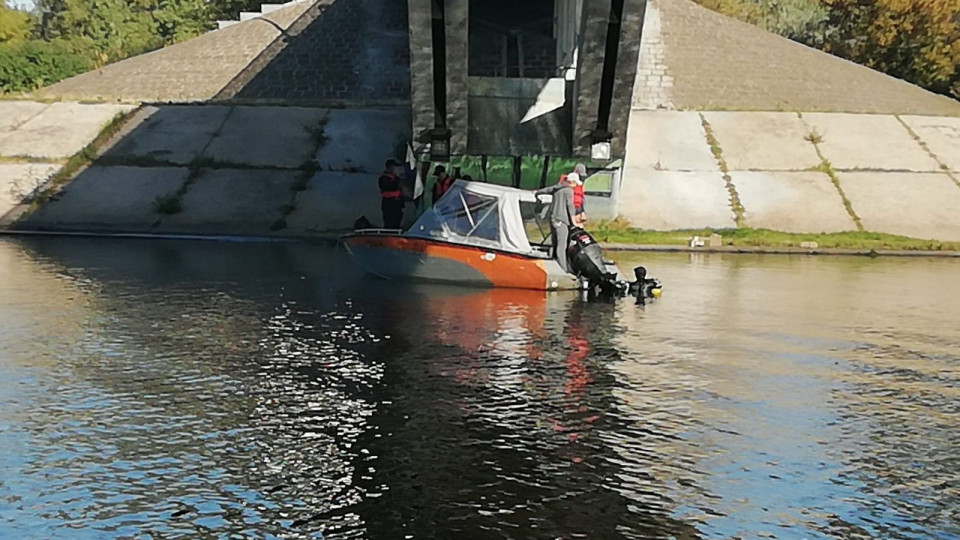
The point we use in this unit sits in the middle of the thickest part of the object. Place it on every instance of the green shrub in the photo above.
(33, 64)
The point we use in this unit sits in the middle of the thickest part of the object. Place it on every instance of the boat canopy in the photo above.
(477, 214)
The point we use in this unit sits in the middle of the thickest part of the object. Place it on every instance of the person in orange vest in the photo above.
(391, 196)
(580, 173)
(442, 183)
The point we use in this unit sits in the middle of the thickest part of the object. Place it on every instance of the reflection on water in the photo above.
(184, 389)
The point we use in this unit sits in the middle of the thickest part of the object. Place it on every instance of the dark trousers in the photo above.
(561, 241)
(392, 213)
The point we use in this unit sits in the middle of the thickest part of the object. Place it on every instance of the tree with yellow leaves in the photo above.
(915, 40)
(15, 25)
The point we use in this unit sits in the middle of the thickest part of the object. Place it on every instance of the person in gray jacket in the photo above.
(562, 213)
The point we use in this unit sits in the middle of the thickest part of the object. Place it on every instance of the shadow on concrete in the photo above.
(218, 169)
(264, 157)
(339, 51)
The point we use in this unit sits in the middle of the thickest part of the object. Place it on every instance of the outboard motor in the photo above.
(585, 257)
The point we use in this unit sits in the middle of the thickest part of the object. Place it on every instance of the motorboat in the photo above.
(483, 235)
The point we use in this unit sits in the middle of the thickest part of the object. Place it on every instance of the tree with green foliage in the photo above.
(800, 20)
(915, 40)
(15, 25)
(32, 64)
(107, 29)
(178, 20)
(72, 36)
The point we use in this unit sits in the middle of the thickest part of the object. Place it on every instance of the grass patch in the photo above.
(169, 204)
(84, 157)
(209, 162)
(735, 204)
(309, 168)
(299, 185)
(317, 133)
(29, 160)
(618, 231)
(827, 168)
(926, 148)
(814, 137)
(133, 161)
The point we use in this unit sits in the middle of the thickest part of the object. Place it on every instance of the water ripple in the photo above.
(193, 390)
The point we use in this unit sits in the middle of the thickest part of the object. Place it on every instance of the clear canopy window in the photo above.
(477, 214)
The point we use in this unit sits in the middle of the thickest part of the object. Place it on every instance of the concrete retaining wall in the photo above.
(300, 171)
(232, 169)
(817, 172)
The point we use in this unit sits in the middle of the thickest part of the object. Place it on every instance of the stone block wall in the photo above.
(653, 84)
(339, 51)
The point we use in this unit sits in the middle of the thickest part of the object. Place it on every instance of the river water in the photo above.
(164, 389)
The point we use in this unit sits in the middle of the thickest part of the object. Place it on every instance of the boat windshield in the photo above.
(476, 214)
(535, 223)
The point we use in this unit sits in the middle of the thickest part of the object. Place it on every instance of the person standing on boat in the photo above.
(442, 182)
(391, 196)
(562, 215)
(580, 217)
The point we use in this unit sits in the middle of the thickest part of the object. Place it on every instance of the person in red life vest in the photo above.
(391, 196)
(580, 173)
(442, 183)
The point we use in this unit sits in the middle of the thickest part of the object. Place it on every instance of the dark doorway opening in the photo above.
(512, 39)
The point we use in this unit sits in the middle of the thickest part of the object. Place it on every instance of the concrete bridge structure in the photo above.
(276, 125)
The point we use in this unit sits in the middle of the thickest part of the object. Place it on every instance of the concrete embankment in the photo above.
(209, 170)
(300, 171)
(804, 173)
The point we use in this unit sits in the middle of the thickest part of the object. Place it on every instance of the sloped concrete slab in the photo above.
(232, 201)
(921, 205)
(109, 199)
(763, 141)
(18, 180)
(667, 200)
(942, 135)
(362, 140)
(334, 201)
(803, 202)
(168, 133)
(60, 131)
(668, 140)
(267, 136)
(15, 113)
(868, 141)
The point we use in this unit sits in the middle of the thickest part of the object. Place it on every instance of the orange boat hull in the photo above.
(394, 256)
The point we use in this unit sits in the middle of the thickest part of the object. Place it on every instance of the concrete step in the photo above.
(248, 15)
(225, 24)
(267, 8)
